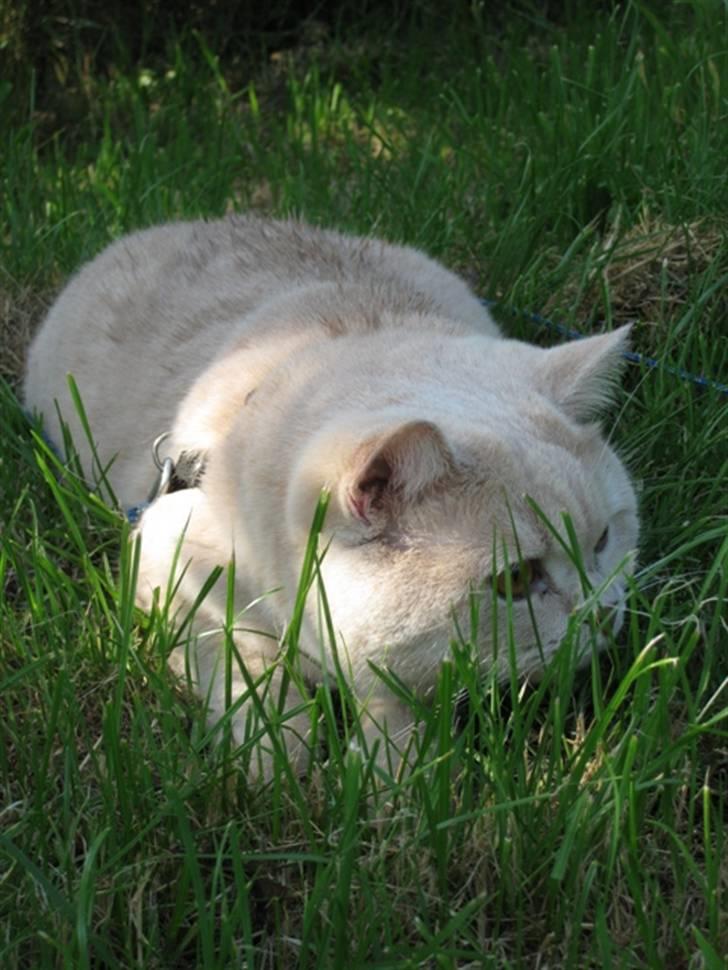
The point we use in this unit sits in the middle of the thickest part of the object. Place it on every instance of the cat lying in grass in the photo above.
(287, 360)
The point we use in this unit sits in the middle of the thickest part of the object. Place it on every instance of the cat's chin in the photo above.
(534, 661)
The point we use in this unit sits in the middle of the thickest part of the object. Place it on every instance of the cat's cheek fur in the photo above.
(381, 620)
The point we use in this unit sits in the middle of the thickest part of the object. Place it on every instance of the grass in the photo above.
(577, 168)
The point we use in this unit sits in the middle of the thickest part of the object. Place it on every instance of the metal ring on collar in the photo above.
(165, 467)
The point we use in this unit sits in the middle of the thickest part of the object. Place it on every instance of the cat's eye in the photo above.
(522, 575)
(602, 543)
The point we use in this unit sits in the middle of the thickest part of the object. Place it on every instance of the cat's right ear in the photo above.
(391, 469)
(581, 376)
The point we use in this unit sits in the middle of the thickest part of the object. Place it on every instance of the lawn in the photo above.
(571, 165)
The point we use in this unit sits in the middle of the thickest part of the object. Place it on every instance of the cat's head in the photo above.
(502, 488)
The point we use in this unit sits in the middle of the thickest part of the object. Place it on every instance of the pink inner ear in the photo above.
(369, 487)
(359, 506)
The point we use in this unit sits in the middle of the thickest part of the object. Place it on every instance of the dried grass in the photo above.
(644, 273)
(21, 310)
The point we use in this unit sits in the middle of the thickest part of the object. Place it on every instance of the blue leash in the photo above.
(630, 355)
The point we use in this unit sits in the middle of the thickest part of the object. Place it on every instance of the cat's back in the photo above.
(169, 299)
(187, 281)
(140, 323)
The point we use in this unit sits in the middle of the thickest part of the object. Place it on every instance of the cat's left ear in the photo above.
(373, 472)
(391, 468)
(582, 376)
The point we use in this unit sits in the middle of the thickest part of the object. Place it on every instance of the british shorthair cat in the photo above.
(288, 359)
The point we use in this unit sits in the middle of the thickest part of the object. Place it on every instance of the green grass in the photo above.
(576, 168)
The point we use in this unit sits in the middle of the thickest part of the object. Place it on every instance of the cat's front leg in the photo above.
(236, 673)
(244, 689)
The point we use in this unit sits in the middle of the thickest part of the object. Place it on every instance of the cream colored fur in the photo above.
(299, 359)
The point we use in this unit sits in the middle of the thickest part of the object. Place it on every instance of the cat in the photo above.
(290, 359)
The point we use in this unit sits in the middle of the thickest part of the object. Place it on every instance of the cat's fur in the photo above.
(298, 359)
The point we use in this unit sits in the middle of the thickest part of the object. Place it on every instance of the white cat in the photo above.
(291, 359)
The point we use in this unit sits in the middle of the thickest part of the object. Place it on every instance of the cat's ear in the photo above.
(581, 376)
(393, 468)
